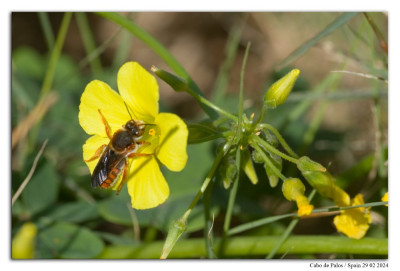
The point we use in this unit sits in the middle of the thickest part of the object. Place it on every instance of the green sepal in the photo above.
(202, 132)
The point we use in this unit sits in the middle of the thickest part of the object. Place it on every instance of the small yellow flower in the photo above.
(23, 243)
(293, 189)
(354, 222)
(167, 138)
(385, 198)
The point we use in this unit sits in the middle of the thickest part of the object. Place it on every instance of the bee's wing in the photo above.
(108, 160)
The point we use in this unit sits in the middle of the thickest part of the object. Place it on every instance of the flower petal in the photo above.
(173, 141)
(90, 147)
(140, 91)
(146, 184)
(98, 95)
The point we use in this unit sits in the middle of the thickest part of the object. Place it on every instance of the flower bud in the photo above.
(228, 171)
(177, 228)
(272, 177)
(306, 164)
(280, 90)
(325, 184)
(293, 189)
(247, 166)
(23, 243)
(177, 83)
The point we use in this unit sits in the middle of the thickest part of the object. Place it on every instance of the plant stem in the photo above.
(270, 148)
(267, 160)
(255, 246)
(89, 43)
(279, 137)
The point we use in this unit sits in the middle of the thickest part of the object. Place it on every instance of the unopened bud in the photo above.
(325, 184)
(306, 164)
(177, 83)
(280, 90)
(177, 228)
(272, 176)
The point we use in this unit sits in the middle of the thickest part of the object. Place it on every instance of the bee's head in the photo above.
(134, 128)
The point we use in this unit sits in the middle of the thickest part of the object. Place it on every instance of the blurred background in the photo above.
(343, 124)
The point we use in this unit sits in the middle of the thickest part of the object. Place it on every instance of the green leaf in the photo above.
(73, 212)
(42, 190)
(69, 241)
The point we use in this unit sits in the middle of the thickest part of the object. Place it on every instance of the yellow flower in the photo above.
(354, 222)
(385, 198)
(165, 140)
(23, 243)
(293, 189)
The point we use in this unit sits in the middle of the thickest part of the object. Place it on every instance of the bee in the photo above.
(113, 161)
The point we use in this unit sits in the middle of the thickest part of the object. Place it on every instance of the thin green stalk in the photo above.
(208, 236)
(270, 148)
(265, 157)
(209, 177)
(233, 192)
(254, 246)
(51, 68)
(159, 49)
(89, 43)
(179, 226)
(55, 55)
(263, 221)
(279, 137)
(46, 26)
(203, 101)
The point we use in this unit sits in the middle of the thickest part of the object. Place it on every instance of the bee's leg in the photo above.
(106, 126)
(124, 174)
(139, 154)
(97, 153)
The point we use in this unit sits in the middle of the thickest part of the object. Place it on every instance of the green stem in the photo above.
(51, 69)
(89, 43)
(267, 160)
(279, 137)
(255, 246)
(270, 148)
(55, 55)
(201, 100)
(267, 220)
(209, 177)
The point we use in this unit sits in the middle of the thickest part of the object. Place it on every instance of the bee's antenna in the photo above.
(128, 110)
